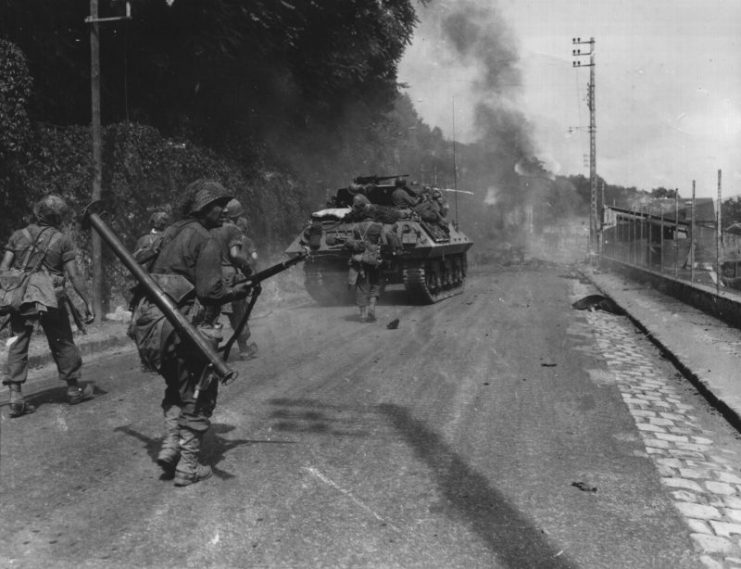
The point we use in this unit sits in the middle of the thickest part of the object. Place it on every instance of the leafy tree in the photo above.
(662, 192)
(221, 72)
(15, 89)
(15, 127)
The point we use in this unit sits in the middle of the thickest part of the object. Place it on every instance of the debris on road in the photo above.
(584, 487)
(598, 302)
(393, 325)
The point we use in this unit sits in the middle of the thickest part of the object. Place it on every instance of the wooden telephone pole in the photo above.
(97, 245)
(594, 226)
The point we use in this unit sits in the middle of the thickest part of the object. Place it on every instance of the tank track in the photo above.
(433, 280)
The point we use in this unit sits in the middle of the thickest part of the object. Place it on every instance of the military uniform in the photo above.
(44, 303)
(402, 199)
(189, 251)
(365, 278)
(229, 235)
(53, 317)
(148, 245)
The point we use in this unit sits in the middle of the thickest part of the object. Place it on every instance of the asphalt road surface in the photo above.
(486, 431)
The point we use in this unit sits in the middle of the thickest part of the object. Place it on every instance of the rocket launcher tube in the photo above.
(181, 324)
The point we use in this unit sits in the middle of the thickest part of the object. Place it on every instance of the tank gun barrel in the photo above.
(377, 179)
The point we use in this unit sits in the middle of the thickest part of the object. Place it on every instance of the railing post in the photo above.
(718, 237)
(692, 235)
(661, 242)
(676, 232)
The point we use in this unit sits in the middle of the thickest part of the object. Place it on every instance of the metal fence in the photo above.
(665, 242)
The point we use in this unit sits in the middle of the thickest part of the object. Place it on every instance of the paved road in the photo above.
(499, 429)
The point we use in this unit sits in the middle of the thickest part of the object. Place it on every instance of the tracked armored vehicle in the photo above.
(430, 260)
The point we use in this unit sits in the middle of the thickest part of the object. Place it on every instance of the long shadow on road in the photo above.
(503, 528)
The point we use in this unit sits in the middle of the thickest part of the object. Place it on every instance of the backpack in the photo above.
(371, 255)
(175, 286)
(21, 290)
(148, 250)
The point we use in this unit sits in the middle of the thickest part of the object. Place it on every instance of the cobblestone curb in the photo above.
(702, 348)
(702, 479)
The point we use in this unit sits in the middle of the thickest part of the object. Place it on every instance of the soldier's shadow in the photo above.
(213, 450)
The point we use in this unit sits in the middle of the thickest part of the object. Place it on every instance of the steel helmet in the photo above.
(159, 220)
(233, 209)
(50, 210)
(202, 193)
(359, 201)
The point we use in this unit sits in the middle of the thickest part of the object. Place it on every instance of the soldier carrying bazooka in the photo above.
(169, 322)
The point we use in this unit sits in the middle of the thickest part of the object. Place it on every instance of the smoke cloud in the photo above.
(466, 50)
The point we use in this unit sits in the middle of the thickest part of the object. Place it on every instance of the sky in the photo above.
(667, 85)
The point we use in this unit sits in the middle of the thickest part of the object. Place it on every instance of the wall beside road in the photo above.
(721, 304)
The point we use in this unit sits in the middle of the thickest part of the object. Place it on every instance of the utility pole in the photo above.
(97, 245)
(718, 235)
(692, 235)
(591, 103)
(455, 170)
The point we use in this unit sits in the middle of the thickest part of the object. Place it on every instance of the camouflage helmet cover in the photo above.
(202, 193)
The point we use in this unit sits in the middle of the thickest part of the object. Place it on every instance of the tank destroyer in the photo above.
(428, 259)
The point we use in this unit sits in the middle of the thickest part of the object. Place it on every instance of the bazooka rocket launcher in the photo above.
(216, 365)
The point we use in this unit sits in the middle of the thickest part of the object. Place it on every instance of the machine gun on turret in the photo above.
(377, 179)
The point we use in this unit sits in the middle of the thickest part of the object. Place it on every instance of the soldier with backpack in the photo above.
(188, 269)
(42, 250)
(365, 267)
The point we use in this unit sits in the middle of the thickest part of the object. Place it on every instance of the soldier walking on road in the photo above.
(43, 244)
(238, 255)
(188, 268)
(365, 273)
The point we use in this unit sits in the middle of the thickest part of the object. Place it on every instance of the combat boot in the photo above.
(189, 470)
(372, 310)
(18, 405)
(247, 351)
(169, 454)
(77, 393)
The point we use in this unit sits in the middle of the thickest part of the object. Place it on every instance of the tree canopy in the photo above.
(218, 71)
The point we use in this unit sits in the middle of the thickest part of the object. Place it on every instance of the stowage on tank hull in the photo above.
(431, 264)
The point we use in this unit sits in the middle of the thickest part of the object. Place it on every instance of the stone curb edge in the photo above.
(733, 416)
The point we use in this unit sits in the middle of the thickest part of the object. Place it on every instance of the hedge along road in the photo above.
(485, 431)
